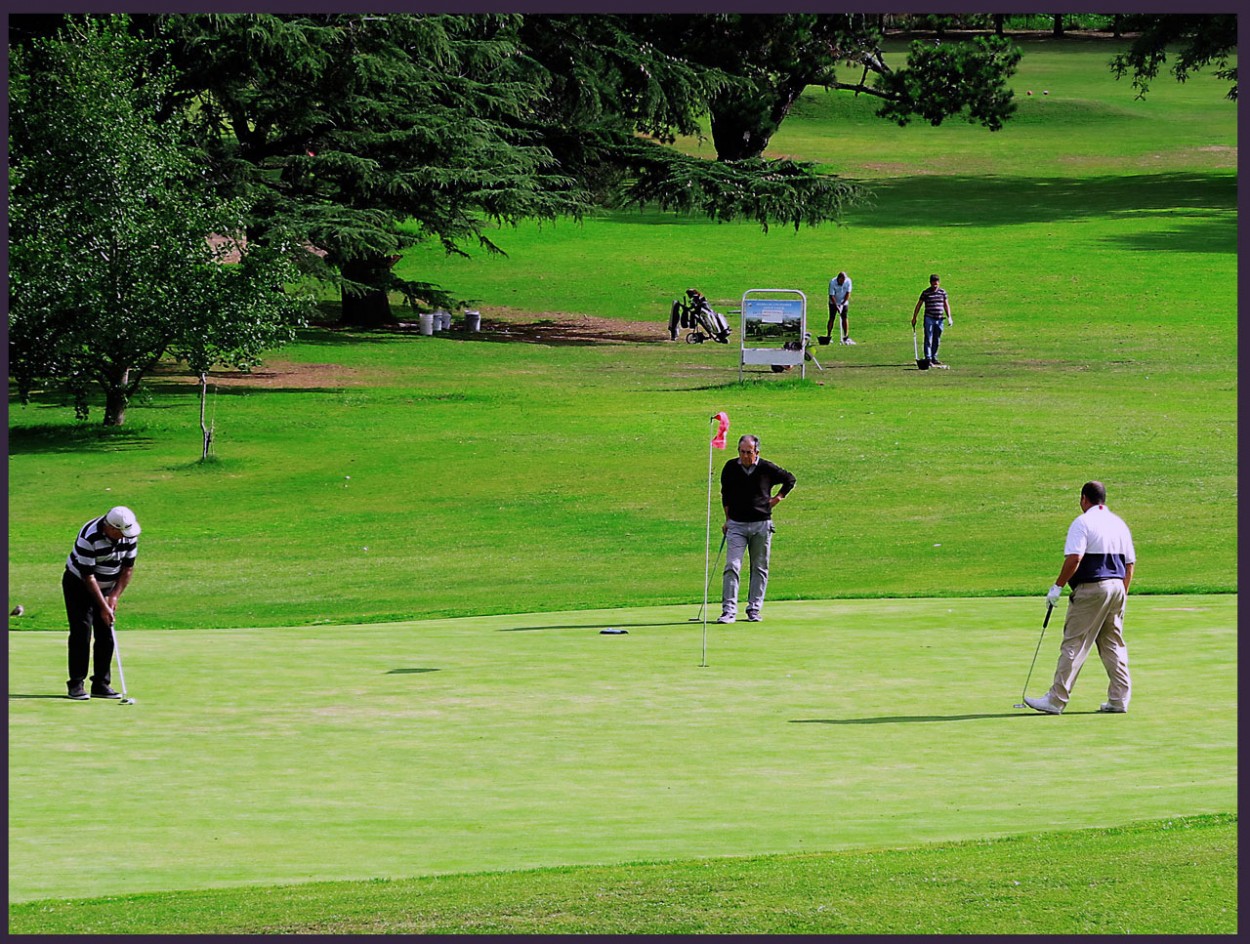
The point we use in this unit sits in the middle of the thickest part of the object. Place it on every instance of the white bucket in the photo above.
(472, 321)
(427, 324)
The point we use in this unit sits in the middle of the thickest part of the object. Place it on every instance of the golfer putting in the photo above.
(746, 486)
(97, 571)
(1098, 563)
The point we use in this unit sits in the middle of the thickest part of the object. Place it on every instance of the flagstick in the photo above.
(707, 548)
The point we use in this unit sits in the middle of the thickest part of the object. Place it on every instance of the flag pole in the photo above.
(707, 546)
(717, 442)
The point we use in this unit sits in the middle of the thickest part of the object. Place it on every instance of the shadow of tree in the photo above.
(1208, 199)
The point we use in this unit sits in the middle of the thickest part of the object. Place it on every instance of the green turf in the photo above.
(1092, 268)
(1097, 881)
(384, 751)
(1094, 336)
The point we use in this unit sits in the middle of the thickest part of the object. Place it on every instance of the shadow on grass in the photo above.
(1006, 201)
(596, 626)
(915, 719)
(262, 385)
(13, 696)
(410, 671)
(61, 438)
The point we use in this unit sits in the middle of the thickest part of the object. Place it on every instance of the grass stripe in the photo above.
(1173, 876)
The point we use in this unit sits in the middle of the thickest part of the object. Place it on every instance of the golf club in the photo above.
(699, 618)
(1023, 691)
(121, 674)
(922, 363)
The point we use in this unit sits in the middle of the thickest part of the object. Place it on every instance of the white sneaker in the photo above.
(1107, 708)
(725, 619)
(847, 341)
(1044, 704)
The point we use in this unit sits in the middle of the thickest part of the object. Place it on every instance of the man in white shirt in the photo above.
(840, 304)
(1098, 562)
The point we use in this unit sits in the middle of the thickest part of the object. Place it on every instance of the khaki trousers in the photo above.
(1095, 618)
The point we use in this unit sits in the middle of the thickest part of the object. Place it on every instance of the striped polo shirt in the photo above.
(934, 302)
(1104, 541)
(95, 554)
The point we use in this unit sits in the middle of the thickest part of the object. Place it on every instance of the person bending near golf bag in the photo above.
(97, 571)
(935, 303)
(1098, 562)
(746, 491)
(840, 306)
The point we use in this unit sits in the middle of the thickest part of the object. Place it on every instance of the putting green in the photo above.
(405, 749)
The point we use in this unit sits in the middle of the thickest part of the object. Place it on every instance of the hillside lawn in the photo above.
(386, 589)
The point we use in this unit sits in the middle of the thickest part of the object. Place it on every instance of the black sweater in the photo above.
(746, 496)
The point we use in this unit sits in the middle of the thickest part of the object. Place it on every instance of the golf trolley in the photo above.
(695, 313)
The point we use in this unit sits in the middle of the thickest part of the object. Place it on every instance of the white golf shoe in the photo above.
(1109, 709)
(1044, 704)
(847, 340)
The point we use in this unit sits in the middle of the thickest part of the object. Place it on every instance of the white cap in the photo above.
(123, 519)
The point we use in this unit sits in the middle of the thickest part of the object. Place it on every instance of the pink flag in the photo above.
(722, 421)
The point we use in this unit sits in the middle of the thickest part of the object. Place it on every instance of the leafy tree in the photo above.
(343, 127)
(352, 126)
(608, 80)
(110, 265)
(1195, 40)
(771, 58)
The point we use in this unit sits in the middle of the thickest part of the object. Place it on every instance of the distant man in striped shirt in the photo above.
(935, 304)
(1098, 562)
(97, 570)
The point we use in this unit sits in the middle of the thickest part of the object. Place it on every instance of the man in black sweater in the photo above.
(746, 491)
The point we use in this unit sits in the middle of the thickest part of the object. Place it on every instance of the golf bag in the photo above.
(695, 313)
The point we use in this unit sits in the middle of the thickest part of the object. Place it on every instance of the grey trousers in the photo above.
(741, 537)
(1095, 618)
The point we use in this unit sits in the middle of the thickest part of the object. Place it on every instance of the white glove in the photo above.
(1052, 595)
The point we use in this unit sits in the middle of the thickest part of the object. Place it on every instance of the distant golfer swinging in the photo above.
(840, 306)
(746, 489)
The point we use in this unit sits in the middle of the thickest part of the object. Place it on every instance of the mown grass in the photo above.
(1092, 268)
(1097, 881)
(316, 753)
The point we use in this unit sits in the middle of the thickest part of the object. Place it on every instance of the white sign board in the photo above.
(774, 328)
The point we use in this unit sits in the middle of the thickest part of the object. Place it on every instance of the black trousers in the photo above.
(84, 620)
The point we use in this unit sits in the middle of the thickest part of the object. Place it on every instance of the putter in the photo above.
(922, 363)
(1023, 691)
(699, 618)
(121, 673)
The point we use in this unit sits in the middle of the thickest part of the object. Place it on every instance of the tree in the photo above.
(345, 127)
(371, 133)
(612, 92)
(110, 264)
(1196, 41)
(770, 59)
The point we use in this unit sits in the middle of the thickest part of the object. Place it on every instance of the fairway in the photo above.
(292, 755)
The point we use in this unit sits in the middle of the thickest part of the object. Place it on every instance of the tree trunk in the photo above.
(205, 430)
(1117, 25)
(117, 391)
(115, 401)
(369, 307)
(742, 127)
(999, 19)
(738, 136)
(1058, 31)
